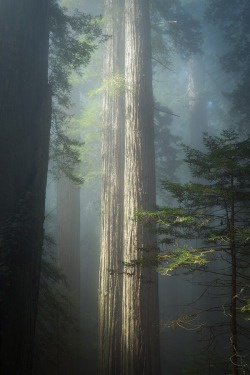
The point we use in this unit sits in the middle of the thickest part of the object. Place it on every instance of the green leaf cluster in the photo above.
(113, 85)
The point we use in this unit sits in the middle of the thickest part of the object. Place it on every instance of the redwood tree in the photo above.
(24, 126)
(128, 302)
(140, 325)
(110, 277)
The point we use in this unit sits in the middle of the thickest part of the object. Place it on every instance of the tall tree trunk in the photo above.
(140, 320)
(110, 277)
(24, 128)
(68, 247)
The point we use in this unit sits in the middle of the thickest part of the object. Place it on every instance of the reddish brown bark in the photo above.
(140, 321)
(110, 277)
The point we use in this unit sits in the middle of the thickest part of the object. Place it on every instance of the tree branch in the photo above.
(164, 65)
(169, 113)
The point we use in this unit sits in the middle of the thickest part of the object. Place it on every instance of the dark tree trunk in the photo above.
(24, 137)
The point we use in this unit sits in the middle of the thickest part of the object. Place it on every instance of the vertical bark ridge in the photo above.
(110, 277)
(140, 292)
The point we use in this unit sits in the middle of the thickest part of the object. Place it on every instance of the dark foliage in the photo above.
(208, 232)
(53, 321)
(174, 21)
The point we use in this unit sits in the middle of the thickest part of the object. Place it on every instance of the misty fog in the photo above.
(190, 88)
(162, 75)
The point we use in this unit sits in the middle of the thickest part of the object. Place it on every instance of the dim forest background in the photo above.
(124, 195)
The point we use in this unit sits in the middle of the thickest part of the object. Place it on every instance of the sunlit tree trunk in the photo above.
(68, 248)
(140, 321)
(24, 138)
(110, 277)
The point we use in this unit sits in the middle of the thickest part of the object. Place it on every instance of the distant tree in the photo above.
(73, 38)
(166, 151)
(214, 210)
(176, 34)
(68, 256)
(54, 322)
(173, 21)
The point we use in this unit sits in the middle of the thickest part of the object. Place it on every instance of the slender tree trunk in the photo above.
(233, 302)
(24, 128)
(233, 319)
(140, 320)
(110, 277)
(89, 282)
(68, 247)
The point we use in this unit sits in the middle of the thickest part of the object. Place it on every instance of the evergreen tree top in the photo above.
(225, 156)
